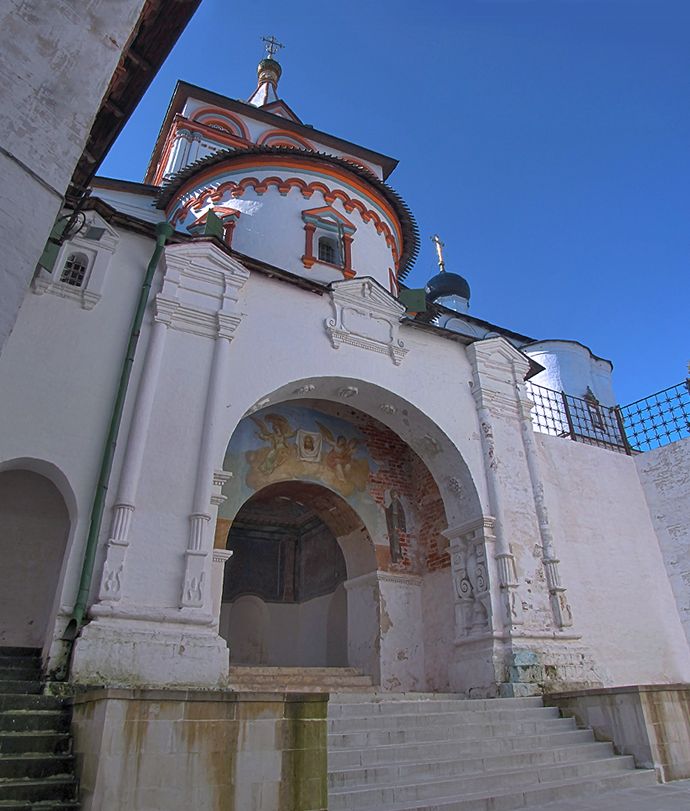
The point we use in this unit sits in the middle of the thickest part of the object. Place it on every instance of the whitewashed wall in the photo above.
(55, 66)
(611, 563)
(665, 476)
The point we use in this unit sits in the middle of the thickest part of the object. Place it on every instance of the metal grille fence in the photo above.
(577, 418)
(658, 419)
(640, 426)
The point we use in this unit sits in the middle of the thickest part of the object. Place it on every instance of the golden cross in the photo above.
(436, 239)
(272, 45)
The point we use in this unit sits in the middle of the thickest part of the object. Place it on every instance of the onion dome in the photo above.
(447, 284)
(268, 73)
(449, 289)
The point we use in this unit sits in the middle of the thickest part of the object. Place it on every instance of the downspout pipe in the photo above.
(163, 232)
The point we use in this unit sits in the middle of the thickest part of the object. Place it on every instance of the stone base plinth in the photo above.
(130, 653)
(201, 750)
(649, 722)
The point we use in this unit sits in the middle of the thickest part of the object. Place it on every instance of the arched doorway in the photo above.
(295, 544)
(34, 527)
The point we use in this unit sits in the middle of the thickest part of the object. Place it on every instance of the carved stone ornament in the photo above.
(347, 392)
(387, 408)
(307, 388)
(366, 316)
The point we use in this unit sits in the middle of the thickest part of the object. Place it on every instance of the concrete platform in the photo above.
(662, 797)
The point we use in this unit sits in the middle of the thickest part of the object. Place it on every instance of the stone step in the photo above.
(20, 671)
(28, 805)
(29, 701)
(59, 787)
(8, 686)
(262, 670)
(26, 720)
(400, 772)
(335, 681)
(447, 731)
(13, 743)
(341, 706)
(430, 751)
(493, 785)
(514, 799)
(413, 720)
(35, 766)
(23, 653)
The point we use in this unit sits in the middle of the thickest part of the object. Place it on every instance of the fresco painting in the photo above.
(286, 443)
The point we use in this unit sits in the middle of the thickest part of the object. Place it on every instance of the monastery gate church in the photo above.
(243, 468)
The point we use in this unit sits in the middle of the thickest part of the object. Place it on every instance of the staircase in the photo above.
(435, 752)
(36, 764)
(298, 679)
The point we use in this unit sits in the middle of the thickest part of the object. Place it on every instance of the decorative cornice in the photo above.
(485, 523)
(366, 316)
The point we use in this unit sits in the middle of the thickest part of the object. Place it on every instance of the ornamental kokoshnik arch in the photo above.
(386, 232)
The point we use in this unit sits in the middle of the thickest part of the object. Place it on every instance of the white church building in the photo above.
(241, 465)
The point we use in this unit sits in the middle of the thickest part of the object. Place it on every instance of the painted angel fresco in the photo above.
(277, 437)
(339, 458)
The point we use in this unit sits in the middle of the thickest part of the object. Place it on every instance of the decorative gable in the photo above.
(366, 316)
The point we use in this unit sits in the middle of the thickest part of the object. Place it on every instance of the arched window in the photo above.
(74, 270)
(328, 250)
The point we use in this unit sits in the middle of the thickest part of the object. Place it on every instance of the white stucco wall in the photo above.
(611, 564)
(55, 65)
(60, 369)
(309, 634)
(572, 368)
(665, 476)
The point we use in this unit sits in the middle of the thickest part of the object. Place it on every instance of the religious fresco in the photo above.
(285, 443)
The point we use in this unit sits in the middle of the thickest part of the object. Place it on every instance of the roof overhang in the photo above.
(184, 91)
(159, 26)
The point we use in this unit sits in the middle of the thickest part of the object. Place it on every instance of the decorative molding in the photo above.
(378, 576)
(347, 392)
(366, 316)
(201, 285)
(484, 523)
(99, 254)
(222, 555)
(388, 408)
(307, 388)
(220, 478)
(116, 552)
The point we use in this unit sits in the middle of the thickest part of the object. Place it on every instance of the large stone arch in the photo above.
(423, 614)
(37, 519)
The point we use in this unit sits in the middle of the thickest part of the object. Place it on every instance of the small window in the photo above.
(74, 270)
(328, 250)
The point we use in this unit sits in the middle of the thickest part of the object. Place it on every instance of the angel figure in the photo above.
(277, 437)
(339, 458)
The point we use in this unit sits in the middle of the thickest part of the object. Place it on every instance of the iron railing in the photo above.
(658, 419)
(640, 426)
(583, 420)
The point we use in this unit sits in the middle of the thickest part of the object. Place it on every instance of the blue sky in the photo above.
(547, 141)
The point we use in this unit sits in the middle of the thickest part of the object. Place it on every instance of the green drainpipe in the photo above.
(163, 231)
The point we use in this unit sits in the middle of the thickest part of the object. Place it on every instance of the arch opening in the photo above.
(34, 529)
(295, 544)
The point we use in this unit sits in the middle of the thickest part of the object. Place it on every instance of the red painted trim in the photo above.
(237, 189)
(219, 112)
(284, 137)
(308, 259)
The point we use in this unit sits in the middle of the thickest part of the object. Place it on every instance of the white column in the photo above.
(560, 608)
(194, 589)
(125, 505)
(220, 558)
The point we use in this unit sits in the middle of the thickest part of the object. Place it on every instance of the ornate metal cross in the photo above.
(272, 45)
(436, 239)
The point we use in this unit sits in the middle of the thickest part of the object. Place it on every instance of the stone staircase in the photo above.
(435, 752)
(36, 764)
(299, 679)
